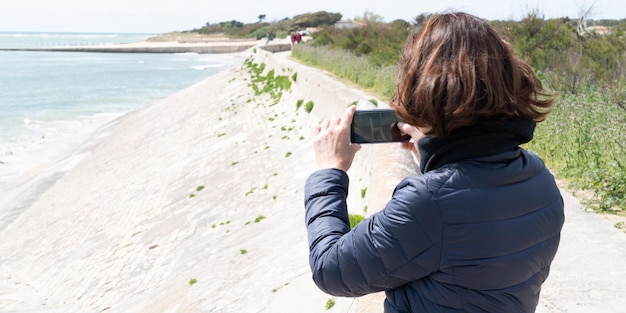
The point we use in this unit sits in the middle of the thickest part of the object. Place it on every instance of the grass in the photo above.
(329, 304)
(308, 107)
(355, 219)
(267, 82)
(251, 191)
(346, 66)
(583, 141)
(199, 188)
(192, 282)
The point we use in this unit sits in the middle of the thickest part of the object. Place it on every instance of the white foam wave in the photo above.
(41, 141)
(206, 67)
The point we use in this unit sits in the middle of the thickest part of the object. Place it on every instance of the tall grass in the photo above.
(355, 69)
(583, 140)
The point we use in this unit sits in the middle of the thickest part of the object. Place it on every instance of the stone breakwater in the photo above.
(200, 47)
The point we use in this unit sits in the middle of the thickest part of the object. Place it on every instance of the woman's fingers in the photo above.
(331, 142)
(416, 134)
(413, 131)
(347, 116)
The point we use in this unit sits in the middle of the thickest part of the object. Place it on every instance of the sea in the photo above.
(51, 102)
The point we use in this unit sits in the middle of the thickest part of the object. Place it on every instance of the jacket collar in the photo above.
(474, 141)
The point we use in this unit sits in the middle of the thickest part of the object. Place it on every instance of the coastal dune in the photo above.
(192, 204)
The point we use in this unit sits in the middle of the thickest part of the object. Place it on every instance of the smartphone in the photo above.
(376, 126)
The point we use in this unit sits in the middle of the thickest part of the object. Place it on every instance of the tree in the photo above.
(317, 19)
(369, 17)
(583, 16)
(231, 24)
(261, 18)
(421, 19)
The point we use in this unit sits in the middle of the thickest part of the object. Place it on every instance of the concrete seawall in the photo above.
(169, 47)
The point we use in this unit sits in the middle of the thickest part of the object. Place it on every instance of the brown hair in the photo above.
(457, 71)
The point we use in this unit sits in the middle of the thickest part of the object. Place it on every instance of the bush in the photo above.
(355, 219)
(583, 141)
(381, 43)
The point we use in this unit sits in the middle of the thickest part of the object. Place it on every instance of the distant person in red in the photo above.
(293, 39)
(298, 37)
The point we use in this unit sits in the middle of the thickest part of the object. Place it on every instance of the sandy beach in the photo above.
(195, 204)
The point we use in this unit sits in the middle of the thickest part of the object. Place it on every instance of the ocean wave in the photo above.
(40, 141)
(206, 67)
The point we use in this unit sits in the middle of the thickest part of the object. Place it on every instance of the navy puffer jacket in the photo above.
(475, 235)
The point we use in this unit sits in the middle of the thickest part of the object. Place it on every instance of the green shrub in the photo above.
(378, 42)
(308, 107)
(583, 141)
(299, 104)
(269, 83)
(330, 303)
(355, 219)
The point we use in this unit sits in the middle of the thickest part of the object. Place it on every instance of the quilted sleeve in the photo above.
(389, 249)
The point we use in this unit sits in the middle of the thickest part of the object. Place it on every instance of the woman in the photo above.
(478, 230)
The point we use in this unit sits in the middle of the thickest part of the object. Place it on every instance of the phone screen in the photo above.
(376, 126)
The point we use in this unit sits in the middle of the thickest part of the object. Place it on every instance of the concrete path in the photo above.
(589, 272)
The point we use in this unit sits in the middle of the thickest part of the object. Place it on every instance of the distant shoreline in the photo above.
(225, 46)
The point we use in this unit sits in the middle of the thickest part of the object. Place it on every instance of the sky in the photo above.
(160, 16)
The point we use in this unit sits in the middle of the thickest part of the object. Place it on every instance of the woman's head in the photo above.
(456, 71)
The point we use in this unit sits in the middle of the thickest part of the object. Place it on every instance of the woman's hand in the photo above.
(416, 134)
(331, 142)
